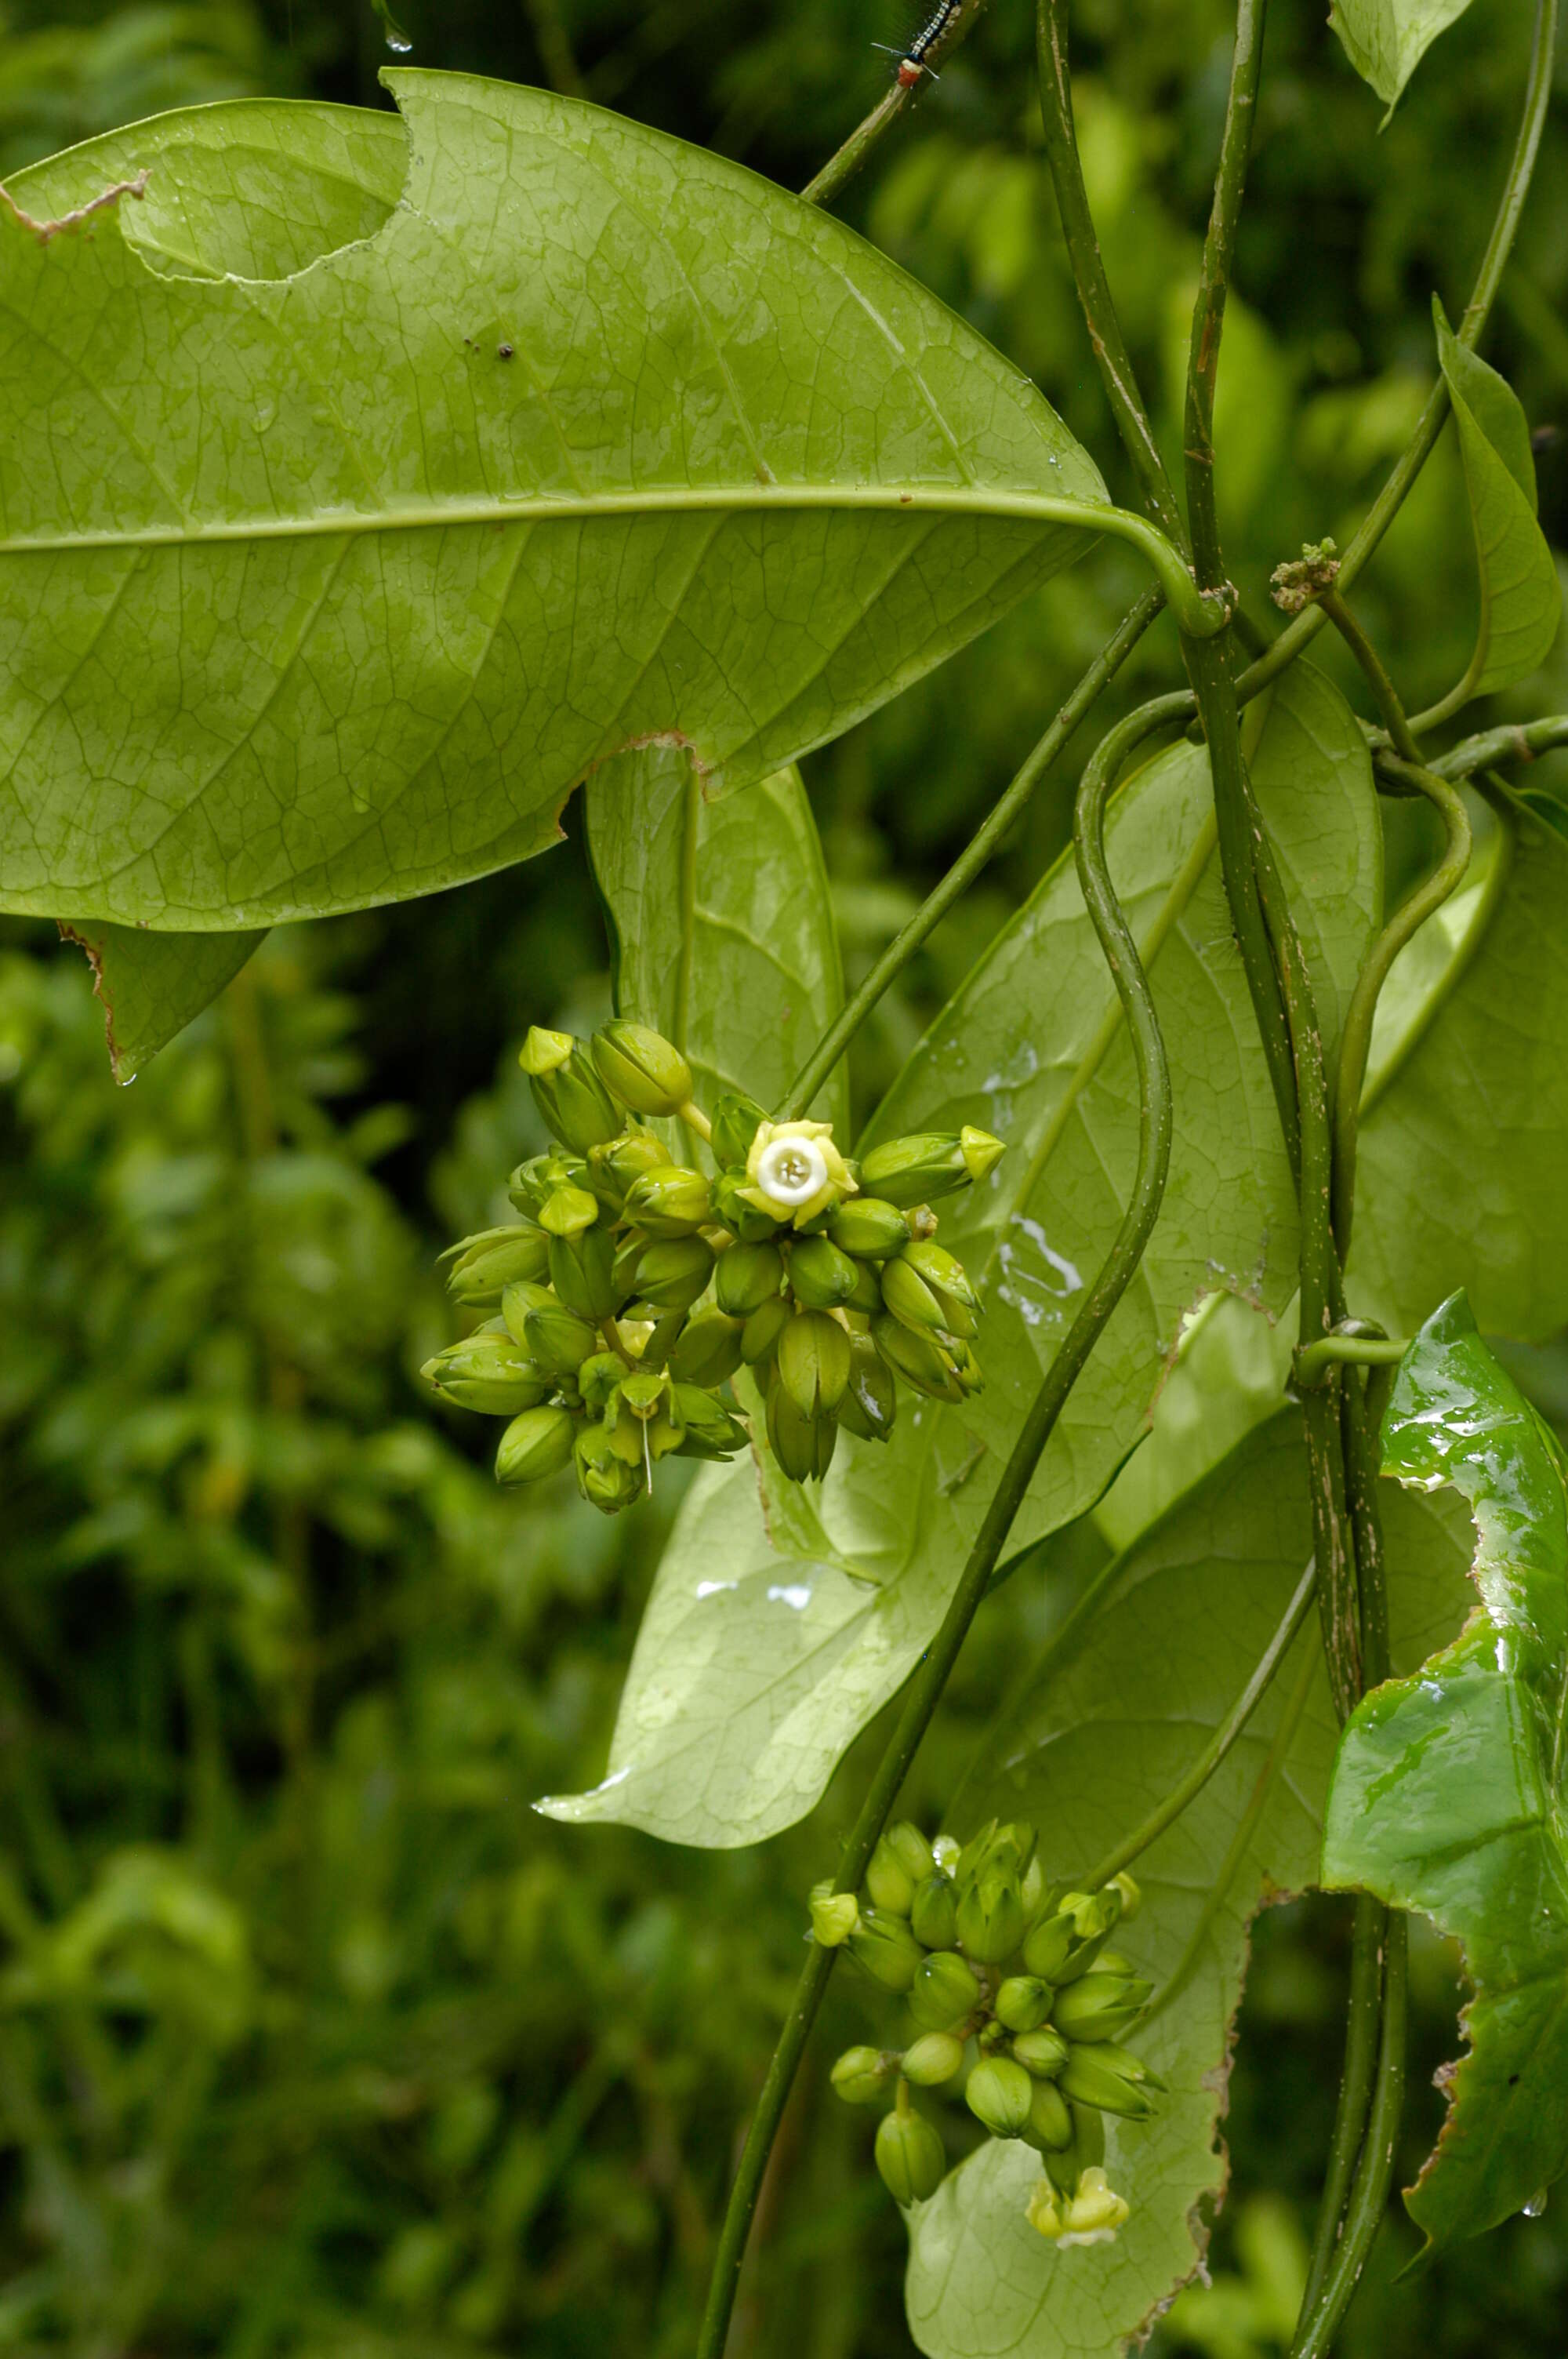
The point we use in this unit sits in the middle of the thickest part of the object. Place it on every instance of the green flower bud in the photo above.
(868, 1227)
(1024, 2002)
(759, 1335)
(1111, 2078)
(582, 1272)
(820, 1276)
(612, 1166)
(1064, 1946)
(645, 1072)
(927, 1288)
(483, 1265)
(921, 1168)
(1002, 1849)
(937, 2056)
(900, 1859)
(735, 1120)
(710, 1430)
(1050, 2123)
(740, 1217)
(569, 1212)
(557, 1338)
(603, 1477)
(488, 1372)
(814, 1362)
(919, 1359)
(990, 1918)
(538, 1443)
(708, 1350)
(532, 1182)
(669, 1202)
(1100, 2006)
(520, 1297)
(866, 1296)
(910, 2159)
(1043, 2052)
(870, 1401)
(1034, 1892)
(598, 1377)
(673, 1271)
(946, 1990)
(1085, 2150)
(747, 1277)
(568, 1093)
(934, 1913)
(888, 1951)
(861, 2075)
(834, 1915)
(998, 2093)
(803, 1446)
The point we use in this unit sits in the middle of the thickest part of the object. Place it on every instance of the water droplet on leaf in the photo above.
(1537, 2204)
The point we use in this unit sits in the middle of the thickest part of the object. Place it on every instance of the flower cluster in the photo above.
(1013, 1997)
(634, 1287)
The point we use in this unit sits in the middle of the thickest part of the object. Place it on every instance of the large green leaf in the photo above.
(1521, 598)
(1464, 1140)
(1116, 1719)
(1385, 40)
(1033, 1048)
(153, 985)
(327, 589)
(721, 921)
(1449, 1788)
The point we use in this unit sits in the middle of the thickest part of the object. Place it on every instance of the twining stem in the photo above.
(925, 1686)
(1214, 281)
(1413, 912)
(1315, 1360)
(974, 857)
(1297, 635)
(1114, 363)
(846, 161)
(1187, 1789)
(1375, 673)
(1515, 742)
(1363, 2024)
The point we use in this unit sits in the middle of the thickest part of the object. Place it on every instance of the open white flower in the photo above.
(795, 1171)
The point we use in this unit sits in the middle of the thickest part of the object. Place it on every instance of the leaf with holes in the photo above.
(1448, 1791)
(1124, 1704)
(720, 922)
(1464, 1135)
(1521, 598)
(326, 588)
(1033, 1048)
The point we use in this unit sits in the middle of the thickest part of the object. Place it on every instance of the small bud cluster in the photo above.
(634, 1287)
(1013, 1994)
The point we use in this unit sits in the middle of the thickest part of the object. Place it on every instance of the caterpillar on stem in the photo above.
(912, 60)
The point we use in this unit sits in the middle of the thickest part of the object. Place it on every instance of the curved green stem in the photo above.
(927, 1684)
(846, 161)
(1516, 741)
(1188, 1787)
(1208, 311)
(1364, 2022)
(1364, 2213)
(1376, 672)
(1114, 361)
(973, 858)
(1298, 635)
(1413, 912)
(1313, 1361)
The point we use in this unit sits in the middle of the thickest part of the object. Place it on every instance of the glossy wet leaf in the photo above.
(153, 985)
(1385, 40)
(721, 922)
(326, 589)
(1126, 1704)
(1449, 1790)
(1032, 1049)
(1463, 1142)
(1521, 599)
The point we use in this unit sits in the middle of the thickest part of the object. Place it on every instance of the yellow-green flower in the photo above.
(793, 1171)
(1091, 2215)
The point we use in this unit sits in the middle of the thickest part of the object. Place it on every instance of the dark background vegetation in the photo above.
(315, 2043)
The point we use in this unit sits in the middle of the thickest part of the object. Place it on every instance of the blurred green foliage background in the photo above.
(315, 2042)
